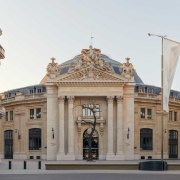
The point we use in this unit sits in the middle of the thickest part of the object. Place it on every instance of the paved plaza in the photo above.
(32, 168)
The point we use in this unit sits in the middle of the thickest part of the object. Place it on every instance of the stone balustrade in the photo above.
(154, 96)
(23, 97)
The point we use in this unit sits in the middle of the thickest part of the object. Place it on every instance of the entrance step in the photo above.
(92, 166)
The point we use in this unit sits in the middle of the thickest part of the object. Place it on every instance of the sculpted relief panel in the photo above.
(92, 58)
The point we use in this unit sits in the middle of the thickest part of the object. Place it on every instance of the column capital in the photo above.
(61, 99)
(119, 99)
(110, 99)
(70, 99)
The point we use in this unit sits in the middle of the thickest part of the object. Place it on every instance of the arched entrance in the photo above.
(173, 144)
(8, 144)
(95, 145)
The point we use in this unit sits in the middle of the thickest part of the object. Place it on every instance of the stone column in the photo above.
(110, 154)
(120, 153)
(128, 113)
(71, 153)
(61, 152)
(52, 121)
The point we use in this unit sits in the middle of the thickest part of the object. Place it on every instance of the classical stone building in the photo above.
(45, 121)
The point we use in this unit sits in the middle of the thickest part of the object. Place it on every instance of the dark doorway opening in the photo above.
(173, 144)
(95, 145)
(8, 144)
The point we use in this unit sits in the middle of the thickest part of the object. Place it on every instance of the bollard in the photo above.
(9, 164)
(24, 164)
(39, 164)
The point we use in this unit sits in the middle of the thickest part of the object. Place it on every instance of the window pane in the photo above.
(146, 139)
(170, 115)
(142, 112)
(6, 116)
(31, 113)
(38, 113)
(84, 110)
(98, 109)
(11, 115)
(175, 116)
(149, 114)
(35, 139)
(89, 111)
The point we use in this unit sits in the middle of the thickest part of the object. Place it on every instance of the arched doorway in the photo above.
(95, 145)
(173, 144)
(8, 144)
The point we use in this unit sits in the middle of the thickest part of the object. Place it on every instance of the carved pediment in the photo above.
(90, 75)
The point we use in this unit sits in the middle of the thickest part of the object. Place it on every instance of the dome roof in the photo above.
(113, 64)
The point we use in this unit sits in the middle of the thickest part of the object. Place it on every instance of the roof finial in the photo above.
(127, 59)
(53, 59)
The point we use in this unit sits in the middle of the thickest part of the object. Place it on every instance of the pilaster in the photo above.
(71, 152)
(110, 154)
(120, 144)
(52, 121)
(61, 151)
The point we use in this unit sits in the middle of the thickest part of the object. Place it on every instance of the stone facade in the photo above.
(89, 81)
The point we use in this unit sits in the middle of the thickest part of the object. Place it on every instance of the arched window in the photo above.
(146, 142)
(35, 139)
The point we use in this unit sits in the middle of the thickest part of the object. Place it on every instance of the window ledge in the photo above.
(34, 150)
(146, 150)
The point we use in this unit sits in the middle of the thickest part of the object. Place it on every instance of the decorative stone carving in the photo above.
(70, 99)
(90, 74)
(110, 99)
(127, 69)
(101, 129)
(79, 129)
(92, 58)
(61, 99)
(53, 68)
(119, 99)
(2, 111)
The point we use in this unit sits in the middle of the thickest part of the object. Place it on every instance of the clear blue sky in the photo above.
(36, 30)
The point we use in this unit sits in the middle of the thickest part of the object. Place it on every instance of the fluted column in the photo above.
(61, 151)
(110, 152)
(120, 126)
(71, 154)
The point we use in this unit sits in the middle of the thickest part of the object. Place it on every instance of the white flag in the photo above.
(171, 51)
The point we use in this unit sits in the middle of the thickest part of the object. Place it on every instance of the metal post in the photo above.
(39, 164)
(162, 101)
(24, 164)
(9, 164)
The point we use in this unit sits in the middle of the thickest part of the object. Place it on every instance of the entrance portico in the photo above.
(96, 84)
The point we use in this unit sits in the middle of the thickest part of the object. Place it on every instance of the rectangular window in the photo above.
(6, 116)
(11, 115)
(141, 90)
(39, 91)
(149, 113)
(98, 109)
(142, 112)
(38, 113)
(170, 115)
(89, 111)
(84, 110)
(31, 91)
(31, 113)
(175, 116)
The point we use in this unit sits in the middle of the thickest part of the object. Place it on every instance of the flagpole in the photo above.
(162, 100)
(162, 37)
